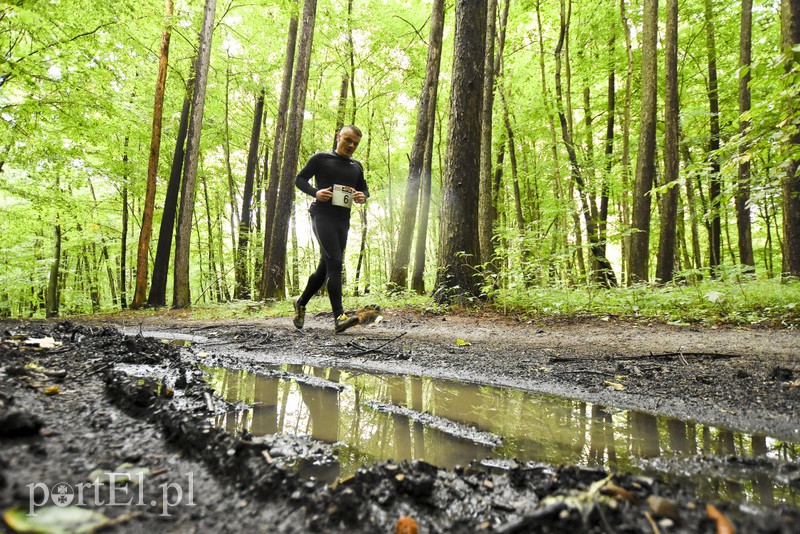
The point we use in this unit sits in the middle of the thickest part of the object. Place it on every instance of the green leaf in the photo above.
(463, 343)
(55, 520)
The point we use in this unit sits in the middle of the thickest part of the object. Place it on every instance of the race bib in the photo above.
(342, 196)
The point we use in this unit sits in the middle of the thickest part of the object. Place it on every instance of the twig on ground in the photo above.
(365, 350)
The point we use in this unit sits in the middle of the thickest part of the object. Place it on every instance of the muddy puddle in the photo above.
(372, 418)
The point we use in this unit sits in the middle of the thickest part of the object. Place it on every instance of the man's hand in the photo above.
(325, 195)
(359, 197)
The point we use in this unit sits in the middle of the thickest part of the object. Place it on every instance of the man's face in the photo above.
(347, 142)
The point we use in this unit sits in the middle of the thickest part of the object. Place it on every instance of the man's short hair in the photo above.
(353, 128)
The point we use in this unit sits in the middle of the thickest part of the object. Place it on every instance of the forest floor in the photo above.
(70, 415)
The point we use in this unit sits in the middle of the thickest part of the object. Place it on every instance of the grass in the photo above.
(753, 302)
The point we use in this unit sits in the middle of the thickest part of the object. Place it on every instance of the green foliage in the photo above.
(754, 302)
(76, 99)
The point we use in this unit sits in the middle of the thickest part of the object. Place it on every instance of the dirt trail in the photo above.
(102, 419)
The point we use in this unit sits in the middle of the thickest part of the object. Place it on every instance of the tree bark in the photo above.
(743, 223)
(276, 264)
(425, 122)
(645, 160)
(158, 285)
(276, 164)
(143, 252)
(181, 296)
(52, 304)
(715, 179)
(418, 276)
(459, 248)
(561, 232)
(626, 140)
(604, 273)
(790, 37)
(485, 203)
(234, 207)
(665, 262)
(123, 256)
(242, 288)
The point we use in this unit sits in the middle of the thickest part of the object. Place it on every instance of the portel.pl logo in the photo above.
(119, 493)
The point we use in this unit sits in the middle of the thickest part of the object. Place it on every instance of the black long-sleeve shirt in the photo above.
(329, 169)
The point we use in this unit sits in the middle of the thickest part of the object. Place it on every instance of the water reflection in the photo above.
(339, 406)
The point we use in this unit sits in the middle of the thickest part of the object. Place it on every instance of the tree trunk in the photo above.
(234, 214)
(604, 273)
(276, 264)
(143, 251)
(242, 288)
(52, 283)
(646, 159)
(425, 122)
(561, 232)
(715, 180)
(459, 249)
(485, 204)
(181, 296)
(123, 256)
(746, 257)
(512, 156)
(665, 263)
(418, 276)
(609, 153)
(276, 164)
(626, 141)
(158, 285)
(790, 37)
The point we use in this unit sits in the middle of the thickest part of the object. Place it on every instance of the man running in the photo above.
(339, 182)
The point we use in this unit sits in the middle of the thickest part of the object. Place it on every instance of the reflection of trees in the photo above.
(418, 430)
(678, 439)
(763, 483)
(323, 406)
(400, 424)
(265, 406)
(644, 435)
(601, 437)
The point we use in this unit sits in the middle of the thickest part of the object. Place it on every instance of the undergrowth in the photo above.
(754, 302)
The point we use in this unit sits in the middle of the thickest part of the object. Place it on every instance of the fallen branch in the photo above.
(377, 349)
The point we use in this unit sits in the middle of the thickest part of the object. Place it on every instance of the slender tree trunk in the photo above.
(561, 220)
(491, 70)
(52, 304)
(143, 252)
(232, 189)
(626, 141)
(363, 263)
(123, 257)
(425, 123)
(276, 265)
(715, 179)
(604, 273)
(242, 288)
(418, 276)
(459, 248)
(609, 153)
(665, 263)
(646, 159)
(276, 165)
(743, 224)
(181, 296)
(691, 204)
(790, 37)
(512, 156)
(158, 285)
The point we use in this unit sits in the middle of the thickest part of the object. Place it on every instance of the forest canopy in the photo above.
(148, 149)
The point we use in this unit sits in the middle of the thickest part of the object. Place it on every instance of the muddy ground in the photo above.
(70, 416)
